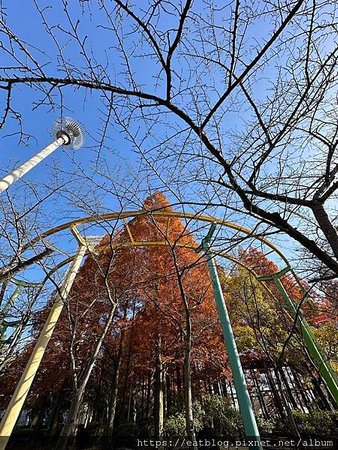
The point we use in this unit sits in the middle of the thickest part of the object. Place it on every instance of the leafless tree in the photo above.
(238, 101)
(21, 295)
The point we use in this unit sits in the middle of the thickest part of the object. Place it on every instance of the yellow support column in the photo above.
(15, 406)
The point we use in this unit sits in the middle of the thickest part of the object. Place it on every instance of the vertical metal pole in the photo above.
(7, 307)
(323, 366)
(28, 165)
(14, 408)
(245, 405)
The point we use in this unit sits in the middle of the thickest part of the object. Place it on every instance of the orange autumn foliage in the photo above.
(144, 278)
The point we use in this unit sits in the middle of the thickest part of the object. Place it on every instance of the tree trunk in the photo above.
(291, 394)
(70, 427)
(129, 358)
(3, 290)
(54, 419)
(148, 393)
(159, 393)
(299, 390)
(286, 405)
(189, 415)
(168, 395)
(116, 377)
(326, 226)
(130, 403)
(259, 393)
(113, 398)
(276, 395)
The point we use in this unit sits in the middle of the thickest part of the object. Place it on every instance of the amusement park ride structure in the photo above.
(240, 234)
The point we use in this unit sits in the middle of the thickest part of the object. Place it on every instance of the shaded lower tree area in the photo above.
(138, 353)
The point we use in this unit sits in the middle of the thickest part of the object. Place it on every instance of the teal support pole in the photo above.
(244, 401)
(326, 372)
(3, 313)
(20, 285)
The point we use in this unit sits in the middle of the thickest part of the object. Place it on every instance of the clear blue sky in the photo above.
(24, 20)
(121, 162)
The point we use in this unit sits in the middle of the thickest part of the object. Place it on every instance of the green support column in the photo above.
(20, 285)
(244, 401)
(10, 303)
(324, 368)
